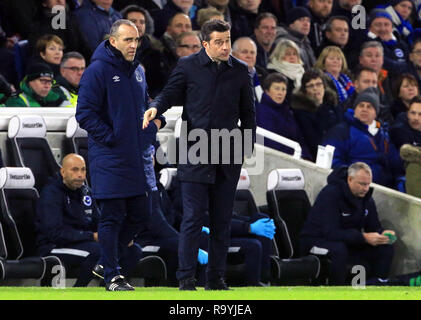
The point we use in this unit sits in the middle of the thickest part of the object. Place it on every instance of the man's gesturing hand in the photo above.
(148, 116)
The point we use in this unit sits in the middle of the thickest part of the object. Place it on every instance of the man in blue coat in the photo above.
(111, 103)
(67, 222)
(344, 220)
(217, 91)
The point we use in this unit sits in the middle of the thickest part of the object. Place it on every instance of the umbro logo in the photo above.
(345, 214)
(116, 78)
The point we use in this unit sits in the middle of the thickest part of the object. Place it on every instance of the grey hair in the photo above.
(71, 55)
(357, 166)
(236, 43)
(117, 24)
(371, 44)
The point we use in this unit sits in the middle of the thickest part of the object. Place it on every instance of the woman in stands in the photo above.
(315, 108)
(285, 59)
(49, 50)
(332, 61)
(405, 88)
(273, 113)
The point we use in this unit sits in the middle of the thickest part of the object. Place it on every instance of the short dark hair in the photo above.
(416, 99)
(71, 55)
(170, 20)
(262, 16)
(331, 19)
(309, 75)
(360, 69)
(272, 78)
(212, 26)
(149, 23)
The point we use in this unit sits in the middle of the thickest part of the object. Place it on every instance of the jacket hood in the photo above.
(107, 53)
(301, 101)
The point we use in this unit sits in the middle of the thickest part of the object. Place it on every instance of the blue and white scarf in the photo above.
(344, 86)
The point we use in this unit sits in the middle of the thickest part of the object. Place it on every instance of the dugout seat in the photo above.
(289, 205)
(28, 147)
(18, 256)
(77, 142)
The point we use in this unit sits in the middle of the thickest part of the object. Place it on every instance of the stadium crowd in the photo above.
(319, 76)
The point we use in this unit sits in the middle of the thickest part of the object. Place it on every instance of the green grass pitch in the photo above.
(244, 293)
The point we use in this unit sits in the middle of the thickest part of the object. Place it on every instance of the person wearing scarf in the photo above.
(285, 59)
(332, 61)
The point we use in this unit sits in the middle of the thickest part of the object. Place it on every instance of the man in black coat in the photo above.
(344, 220)
(217, 91)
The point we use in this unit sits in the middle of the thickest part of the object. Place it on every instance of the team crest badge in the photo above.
(138, 76)
(87, 201)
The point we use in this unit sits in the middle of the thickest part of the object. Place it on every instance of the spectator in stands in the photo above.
(206, 14)
(366, 77)
(95, 18)
(264, 37)
(320, 12)
(245, 49)
(221, 6)
(406, 135)
(187, 43)
(414, 64)
(315, 107)
(6, 90)
(273, 113)
(400, 12)
(405, 89)
(172, 7)
(298, 28)
(344, 8)
(243, 17)
(286, 59)
(71, 69)
(360, 137)
(178, 24)
(344, 220)
(336, 34)
(45, 22)
(372, 56)
(21, 15)
(333, 62)
(36, 90)
(67, 223)
(49, 50)
(7, 60)
(380, 28)
(148, 52)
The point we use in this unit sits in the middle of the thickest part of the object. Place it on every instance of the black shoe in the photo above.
(98, 271)
(188, 284)
(217, 285)
(118, 283)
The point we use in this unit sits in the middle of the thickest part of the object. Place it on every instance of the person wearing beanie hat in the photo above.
(361, 138)
(37, 89)
(399, 12)
(297, 30)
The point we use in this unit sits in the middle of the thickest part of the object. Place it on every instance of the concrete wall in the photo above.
(397, 211)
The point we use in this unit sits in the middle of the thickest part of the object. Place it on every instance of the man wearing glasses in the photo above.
(36, 89)
(187, 43)
(71, 69)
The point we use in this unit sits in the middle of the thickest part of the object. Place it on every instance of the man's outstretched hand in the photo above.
(148, 116)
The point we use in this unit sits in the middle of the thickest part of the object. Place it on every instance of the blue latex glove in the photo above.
(202, 257)
(264, 227)
(205, 230)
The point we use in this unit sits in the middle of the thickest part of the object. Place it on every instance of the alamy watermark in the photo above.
(214, 146)
(59, 20)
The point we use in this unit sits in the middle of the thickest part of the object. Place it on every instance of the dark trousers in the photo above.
(82, 256)
(378, 259)
(121, 220)
(218, 200)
